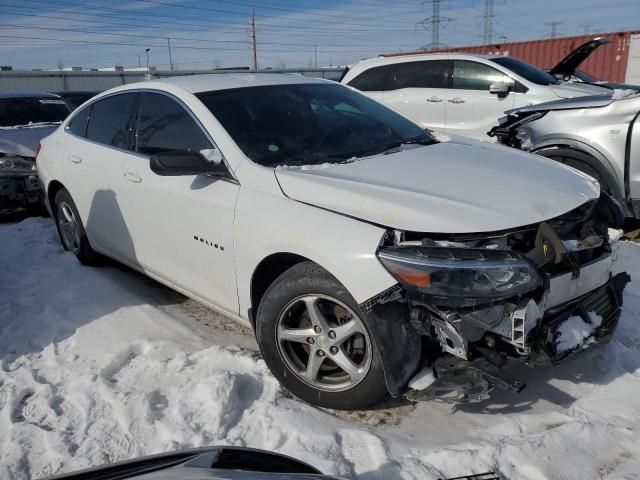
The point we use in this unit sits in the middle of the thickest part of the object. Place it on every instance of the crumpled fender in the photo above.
(399, 345)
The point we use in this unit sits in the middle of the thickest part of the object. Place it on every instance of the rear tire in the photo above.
(316, 340)
(71, 230)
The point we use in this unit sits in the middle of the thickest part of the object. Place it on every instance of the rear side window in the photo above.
(469, 75)
(78, 124)
(165, 126)
(425, 74)
(372, 80)
(110, 120)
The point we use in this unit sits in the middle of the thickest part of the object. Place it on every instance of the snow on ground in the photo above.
(93, 371)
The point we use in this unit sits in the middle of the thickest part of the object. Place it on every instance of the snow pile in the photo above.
(574, 331)
(91, 372)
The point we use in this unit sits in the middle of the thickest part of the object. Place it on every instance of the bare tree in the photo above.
(282, 64)
(217, 64)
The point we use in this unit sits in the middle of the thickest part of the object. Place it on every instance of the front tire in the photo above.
(70, 229)
(316, 340)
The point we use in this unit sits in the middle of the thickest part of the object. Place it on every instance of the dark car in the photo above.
(25, 119)
(75, 98)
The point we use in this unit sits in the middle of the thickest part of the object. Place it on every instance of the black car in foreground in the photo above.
(229, 463)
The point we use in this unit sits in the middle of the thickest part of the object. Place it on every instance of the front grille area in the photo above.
(606, 301)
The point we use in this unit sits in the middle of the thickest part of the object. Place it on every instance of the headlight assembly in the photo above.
(461, 277)
(14, 165)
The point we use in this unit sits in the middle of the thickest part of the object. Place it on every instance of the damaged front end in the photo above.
(477, 302)
(19, 184)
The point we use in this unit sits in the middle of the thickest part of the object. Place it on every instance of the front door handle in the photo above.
(75, 159)
(434, 99)
(456, 100)
(132, 177)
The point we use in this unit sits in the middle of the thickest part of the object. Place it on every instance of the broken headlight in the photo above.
(14, 165)
(461, 277)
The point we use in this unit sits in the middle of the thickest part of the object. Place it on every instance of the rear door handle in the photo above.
(456, 100)
(75, 159)
(434, 99)
(132, 177)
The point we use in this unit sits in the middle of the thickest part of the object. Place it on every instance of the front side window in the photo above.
(309, 123)
(468, 75)
(424, 74)
(110, 120)
(372, 80)
(19, 111)
(165, 126)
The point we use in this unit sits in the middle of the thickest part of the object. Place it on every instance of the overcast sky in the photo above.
(210, 33)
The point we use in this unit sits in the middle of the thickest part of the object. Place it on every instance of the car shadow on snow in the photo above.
(46, 295)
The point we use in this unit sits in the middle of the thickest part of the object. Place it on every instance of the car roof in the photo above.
(27, 95)
(225, 81)
(399, 58)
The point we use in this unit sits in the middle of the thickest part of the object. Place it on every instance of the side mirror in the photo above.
(500, 88)
(186, 162)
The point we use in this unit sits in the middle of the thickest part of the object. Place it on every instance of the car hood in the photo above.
(589, 101)
(570, 90)
(452, 187)
(568, 65)
(23, 140)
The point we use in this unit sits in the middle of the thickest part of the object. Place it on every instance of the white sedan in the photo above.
(355, 244)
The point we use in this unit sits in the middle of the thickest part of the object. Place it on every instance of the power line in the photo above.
(554, 28)
(253, 40)
(488, 22)
(434, 21)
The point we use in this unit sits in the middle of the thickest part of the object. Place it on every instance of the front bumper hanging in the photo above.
(459, 380)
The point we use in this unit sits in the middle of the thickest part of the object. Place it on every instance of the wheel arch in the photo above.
(588, 155)
(54, 187)
(266, 272)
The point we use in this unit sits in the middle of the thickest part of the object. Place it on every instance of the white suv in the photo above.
(458, 93)
(354, 243)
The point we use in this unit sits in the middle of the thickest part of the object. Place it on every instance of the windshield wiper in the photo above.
(384, 149)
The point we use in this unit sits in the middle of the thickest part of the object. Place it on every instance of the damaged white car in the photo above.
(358, 246)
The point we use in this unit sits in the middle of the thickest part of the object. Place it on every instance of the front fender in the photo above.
(268, 223)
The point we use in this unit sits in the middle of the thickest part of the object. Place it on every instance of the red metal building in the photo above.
(609, 62)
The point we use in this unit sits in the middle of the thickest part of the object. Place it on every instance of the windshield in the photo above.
(528, 72)
(22, 111)
(310, 123)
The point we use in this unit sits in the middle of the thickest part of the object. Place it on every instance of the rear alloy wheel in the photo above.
(70, 229)
(316, 340)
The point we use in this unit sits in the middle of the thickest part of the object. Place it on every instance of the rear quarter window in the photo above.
(111, 119)
(79, 122)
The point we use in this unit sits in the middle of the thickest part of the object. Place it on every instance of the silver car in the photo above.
(598, 135)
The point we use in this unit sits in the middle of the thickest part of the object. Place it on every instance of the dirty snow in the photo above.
(574, 332)
(93, 369)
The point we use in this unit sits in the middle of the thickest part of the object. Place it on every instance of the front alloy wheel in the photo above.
(316, 340)
(324, 342)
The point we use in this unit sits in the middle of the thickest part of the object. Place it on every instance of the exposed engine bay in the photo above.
(486, 298)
